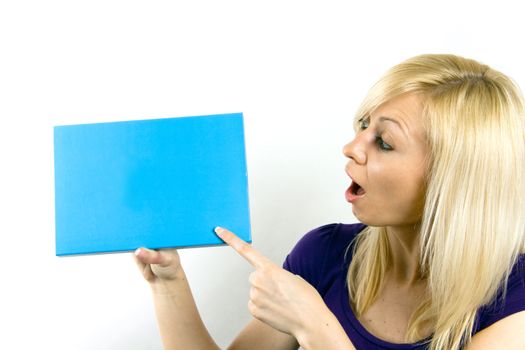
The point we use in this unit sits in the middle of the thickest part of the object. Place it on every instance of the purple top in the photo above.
(319, 258)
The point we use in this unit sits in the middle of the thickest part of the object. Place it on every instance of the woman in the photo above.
(438, 262)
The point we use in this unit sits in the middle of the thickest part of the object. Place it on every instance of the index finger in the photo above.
(253, 256)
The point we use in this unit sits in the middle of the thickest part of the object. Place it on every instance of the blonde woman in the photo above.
(437, 262)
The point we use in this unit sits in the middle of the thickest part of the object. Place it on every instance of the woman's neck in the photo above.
(405, 254)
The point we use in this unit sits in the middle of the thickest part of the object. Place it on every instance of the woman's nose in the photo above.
(355, 150)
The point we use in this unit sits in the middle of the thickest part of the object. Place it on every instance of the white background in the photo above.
(297, 69)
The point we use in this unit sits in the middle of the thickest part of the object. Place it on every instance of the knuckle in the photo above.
(254, 310)
(258, 278)
(266, 274)
(242, 248)
(253, 295)
(268, 269)
(253, 278)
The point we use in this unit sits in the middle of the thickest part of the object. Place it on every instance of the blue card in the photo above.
(150, 183)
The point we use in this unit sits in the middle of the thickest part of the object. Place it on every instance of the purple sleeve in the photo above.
(308, 257)
(513, 302)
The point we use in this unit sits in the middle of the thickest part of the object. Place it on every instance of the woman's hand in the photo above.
(180, 324)
(279, 298)
(161, 265)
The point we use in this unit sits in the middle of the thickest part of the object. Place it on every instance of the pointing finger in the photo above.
(254, 257)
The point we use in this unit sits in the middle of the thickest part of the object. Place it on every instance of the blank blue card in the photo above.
(149, 183)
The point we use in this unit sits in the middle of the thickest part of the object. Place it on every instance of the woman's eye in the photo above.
(382, 144)
(363, 123)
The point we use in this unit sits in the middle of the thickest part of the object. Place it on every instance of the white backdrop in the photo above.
(297, 69)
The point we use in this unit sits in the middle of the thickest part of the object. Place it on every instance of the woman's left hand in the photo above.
(278, 298)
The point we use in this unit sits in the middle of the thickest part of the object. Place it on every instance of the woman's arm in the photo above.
(180, 324)
(258, 335)
(287, 303)
(179, 321)
(506, 334)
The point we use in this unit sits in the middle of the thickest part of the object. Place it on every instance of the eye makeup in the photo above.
(363, 123)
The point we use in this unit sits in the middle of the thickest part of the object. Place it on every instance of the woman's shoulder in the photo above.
(509, 301)
(320, 249)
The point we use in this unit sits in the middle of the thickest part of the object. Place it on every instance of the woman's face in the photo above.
(387, 164)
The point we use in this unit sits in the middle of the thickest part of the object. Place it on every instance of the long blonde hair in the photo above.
(473, 223)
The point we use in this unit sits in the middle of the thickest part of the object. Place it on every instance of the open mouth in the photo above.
(356, 189)
(354, 192)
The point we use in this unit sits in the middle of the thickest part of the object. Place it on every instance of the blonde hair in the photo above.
(473, 223)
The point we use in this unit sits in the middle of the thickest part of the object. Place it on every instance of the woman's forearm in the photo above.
(325, 333)
(180, 324)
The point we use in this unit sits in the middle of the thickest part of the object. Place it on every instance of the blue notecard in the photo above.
(149, 183)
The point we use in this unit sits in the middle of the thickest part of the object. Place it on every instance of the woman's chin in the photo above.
(361, 218)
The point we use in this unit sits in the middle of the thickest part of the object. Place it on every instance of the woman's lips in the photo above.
(354, 192)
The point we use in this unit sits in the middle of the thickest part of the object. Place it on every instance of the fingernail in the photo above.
(219, 230)
(137, 252)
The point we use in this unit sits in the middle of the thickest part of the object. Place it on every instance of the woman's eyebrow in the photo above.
(388, 119)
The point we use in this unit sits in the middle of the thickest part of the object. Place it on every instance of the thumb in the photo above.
(149, 256)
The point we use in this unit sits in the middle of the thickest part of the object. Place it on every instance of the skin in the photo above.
(387, 158)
